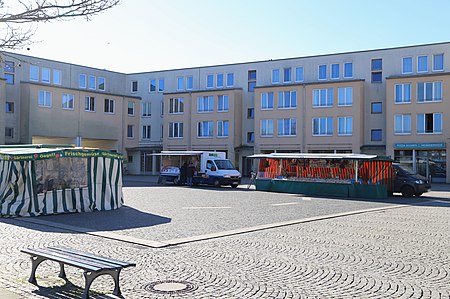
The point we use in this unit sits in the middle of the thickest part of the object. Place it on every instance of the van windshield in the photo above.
(405, 169)
(224, 164)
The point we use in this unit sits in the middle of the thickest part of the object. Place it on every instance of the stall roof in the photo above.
(38, 153)
(315, 156)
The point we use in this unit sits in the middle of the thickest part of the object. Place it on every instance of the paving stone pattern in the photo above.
(396, 253)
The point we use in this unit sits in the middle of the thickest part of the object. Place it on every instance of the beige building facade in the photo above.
(347, 102)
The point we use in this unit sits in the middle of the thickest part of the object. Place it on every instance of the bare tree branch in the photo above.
(13, 36)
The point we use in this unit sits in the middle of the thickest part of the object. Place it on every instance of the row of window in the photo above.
(68, 103)
(204, 104)
(321, 126)
(423, 64)
(426, 92)
(335, 71)
(205, 129)
(9, 71)
(91, 82)
(47, 75)
(426, 123)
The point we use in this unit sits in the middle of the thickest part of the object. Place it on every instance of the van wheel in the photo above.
(407, 191)
(419, 194)
(234, 186)
(216, 183)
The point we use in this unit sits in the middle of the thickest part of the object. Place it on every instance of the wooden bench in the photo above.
(92, 265)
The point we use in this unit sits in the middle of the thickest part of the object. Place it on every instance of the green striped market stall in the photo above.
(42, 180)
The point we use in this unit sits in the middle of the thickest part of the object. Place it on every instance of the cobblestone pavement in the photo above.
(399, 252)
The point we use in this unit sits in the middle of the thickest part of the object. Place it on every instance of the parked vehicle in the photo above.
(409, 183)
(211, 168)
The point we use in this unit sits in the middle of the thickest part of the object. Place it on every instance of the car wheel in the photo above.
(407, 191)
(419, 194)
(216, 183)
(234, 186)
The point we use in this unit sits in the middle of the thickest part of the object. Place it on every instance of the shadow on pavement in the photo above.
(67, 291)
(115, 220)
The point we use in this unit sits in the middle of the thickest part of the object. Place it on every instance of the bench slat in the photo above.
(88, 260)
(89, 255)
(61, 258)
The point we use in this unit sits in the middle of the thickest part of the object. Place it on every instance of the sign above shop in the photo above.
(429, 145)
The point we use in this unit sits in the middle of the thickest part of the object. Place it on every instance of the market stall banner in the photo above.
(59, 185)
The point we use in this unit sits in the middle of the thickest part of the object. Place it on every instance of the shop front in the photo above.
(426, 159)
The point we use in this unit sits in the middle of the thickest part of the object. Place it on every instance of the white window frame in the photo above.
(418, 64)
(132, 108)
(45, 75)
(291, 129)
(329, 93)
(433, 99)
(328, 125)
(403, 100)
(265, 101)
(57, 77)
(223, 127)
(410, 58)
(110, 101)
(401, 131)
(302, 72)
(266, 129)
(218, 76)
(287, 80)
(434, 123)
(34, 70)
(161, 85)
(100, 81)
(146, 109)
(180, 83)
(434, 62)
(291, 102)
(88, 101)
(67, 98)
(92, 84)
(222, 103)
(210, 79)
(176, 105)
(146, 132)
(152, 82)
(351, 70)
(189, 82)
(318, 72)
(175, 130)
(276, 76)
(209, 127)
(132, 86)
(44, 99)
(347, 93)
(230, 75)
(347, 130)
(130, 136)
(332, 66)
(205, 104)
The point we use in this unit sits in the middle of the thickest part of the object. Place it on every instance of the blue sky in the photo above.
(150, 35)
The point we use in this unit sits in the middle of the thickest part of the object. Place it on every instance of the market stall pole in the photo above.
(343, 175)
(40, 180)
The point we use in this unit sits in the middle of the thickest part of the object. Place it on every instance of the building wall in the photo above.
(2, 111)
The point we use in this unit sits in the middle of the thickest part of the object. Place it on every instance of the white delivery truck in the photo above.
(211, 168)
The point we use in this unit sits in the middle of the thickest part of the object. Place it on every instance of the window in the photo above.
(377, 74)
(376, 108)
(267, 127)
(251, 80)
(323, 97)
(222, 103)
(161, 85)
(205, 104)
(109, 106)
(322, 72)
(9, 132)
(267, 101)
(219, 79)
(146, 109)
(134, 86)
(438, 62)
(275, 76)
(422, 64)
(250, 137)
(176, 130)
(402, 124)
(287, 74)
(348, 70)
(89, 104)
(376, 135)
(251, 113)
(130, 159)
(407, 67)
(345, 96)
(146, 132)
(322, 126)
(67, 101)
(162, 108)
(205, 129)
(92, 82)
(9, 107)
(429, 91)
(287, 99)
(189, 82)
(335, 71)
(101, 84)
(345, 126)
(45, 73)
(45, 98)
(9, 67)
(299, 74)
(34, 73)
(210, 81)
(130, 108)
(176, 106)
(152, 85)
(377, 64)
(429, 123)
(403, 93)
(9, 78)
(287, 127)
(180, 83)
(230, 79)
(222, 128)
(82, 81)
(130, 131)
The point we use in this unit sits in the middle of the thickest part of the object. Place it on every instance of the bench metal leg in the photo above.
(62, 273)
(115, 275)
(35, 261)
(90, 276)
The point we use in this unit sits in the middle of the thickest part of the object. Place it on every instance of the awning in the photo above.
(315, 156)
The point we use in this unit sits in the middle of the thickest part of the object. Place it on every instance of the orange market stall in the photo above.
(342, 175)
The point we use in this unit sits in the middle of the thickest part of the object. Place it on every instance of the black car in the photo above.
(408, 183)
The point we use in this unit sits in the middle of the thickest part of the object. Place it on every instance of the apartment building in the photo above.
(386, 101)
(53, 102)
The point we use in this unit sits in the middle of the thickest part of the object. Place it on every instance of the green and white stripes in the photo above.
(19, 196)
